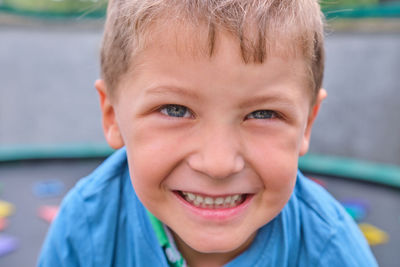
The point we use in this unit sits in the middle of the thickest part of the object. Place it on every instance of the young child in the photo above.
(211, 103)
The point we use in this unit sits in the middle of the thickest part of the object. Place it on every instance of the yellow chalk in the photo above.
(374, 235)
(6, 209)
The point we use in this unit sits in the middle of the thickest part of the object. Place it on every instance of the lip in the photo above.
(217, 215)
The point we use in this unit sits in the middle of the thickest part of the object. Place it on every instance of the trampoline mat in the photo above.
(18, 178)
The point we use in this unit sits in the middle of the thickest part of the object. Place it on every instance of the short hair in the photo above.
(288, 27)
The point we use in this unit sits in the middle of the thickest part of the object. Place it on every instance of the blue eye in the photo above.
(262, 114)
(175, 111)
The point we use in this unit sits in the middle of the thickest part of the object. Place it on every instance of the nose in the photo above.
(218, 154)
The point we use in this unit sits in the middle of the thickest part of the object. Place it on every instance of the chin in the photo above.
(215, 248)
(220, 244)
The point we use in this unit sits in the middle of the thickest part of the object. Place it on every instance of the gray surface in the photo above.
(17, 181)
(361, 116)
(47, 93)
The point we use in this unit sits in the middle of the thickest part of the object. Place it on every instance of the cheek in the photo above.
(275, 157)
(152, 155)
(147, 171)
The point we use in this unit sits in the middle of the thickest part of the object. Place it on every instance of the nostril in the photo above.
(239, 164)
(226, 166)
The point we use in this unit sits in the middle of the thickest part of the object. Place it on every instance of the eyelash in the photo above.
(169, 109)
(166, 110)
(262, 112)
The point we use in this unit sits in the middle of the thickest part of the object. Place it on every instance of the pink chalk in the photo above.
(48, 213)
(3, 224)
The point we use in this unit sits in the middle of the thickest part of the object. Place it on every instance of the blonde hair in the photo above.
(288, 27)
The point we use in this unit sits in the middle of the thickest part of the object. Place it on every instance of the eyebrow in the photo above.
(258, 100)
(254, 101)
(162, 90)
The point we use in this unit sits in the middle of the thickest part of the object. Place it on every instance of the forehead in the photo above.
(189, 45)
(198, 39)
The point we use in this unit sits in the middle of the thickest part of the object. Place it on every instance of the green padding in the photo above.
(372, 11)
(351, 168)
(27, 152)
(347, 3)
(56, 11)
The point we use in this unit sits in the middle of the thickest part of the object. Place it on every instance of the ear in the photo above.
(311, 118)
(110, 125)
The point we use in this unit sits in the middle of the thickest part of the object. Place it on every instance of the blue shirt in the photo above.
(101, 222)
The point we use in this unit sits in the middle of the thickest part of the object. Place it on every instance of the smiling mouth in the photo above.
(208, 202)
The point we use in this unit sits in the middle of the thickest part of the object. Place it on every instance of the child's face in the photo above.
(213, 130)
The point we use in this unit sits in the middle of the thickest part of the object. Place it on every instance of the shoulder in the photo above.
(108, 173)
(89, 210)
(315, 201)
(328, 233)
(99, 193)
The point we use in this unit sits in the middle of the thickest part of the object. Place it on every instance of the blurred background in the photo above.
(49, 109)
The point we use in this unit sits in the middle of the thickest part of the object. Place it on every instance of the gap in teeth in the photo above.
(210, 202)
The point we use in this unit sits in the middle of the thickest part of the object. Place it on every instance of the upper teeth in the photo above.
(198, 200)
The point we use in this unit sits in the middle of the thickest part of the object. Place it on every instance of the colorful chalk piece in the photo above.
(357, 208)
(356, 212)
(6, 209)
(3, 224)
(48, 213)
(373, 234)
(356, 202)
(49, 188)
(7, 244)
